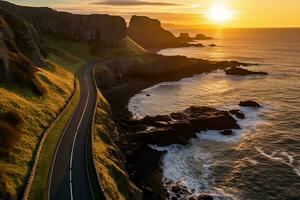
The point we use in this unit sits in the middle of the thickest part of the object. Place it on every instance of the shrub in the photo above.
(22, 73)
(8, 135)
(13, 118)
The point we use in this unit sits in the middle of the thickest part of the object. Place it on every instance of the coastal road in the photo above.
(69, 177)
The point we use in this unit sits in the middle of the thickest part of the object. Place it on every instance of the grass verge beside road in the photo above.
(40, 183)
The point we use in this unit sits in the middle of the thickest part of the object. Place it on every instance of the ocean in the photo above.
(260, 161)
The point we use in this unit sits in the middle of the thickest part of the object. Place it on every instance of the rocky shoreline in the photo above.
(143, 163)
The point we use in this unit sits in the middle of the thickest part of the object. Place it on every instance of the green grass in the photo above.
(38, 113)
(40, 184)
(65, 58)
(114, 180)
(81, 50)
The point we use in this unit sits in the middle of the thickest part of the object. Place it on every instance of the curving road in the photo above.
(69, 178)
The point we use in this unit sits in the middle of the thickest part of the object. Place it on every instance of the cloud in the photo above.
(134, 3)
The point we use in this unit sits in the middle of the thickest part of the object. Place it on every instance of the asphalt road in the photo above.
(69, 178)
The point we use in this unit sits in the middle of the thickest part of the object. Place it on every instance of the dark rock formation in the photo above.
(205, 197)
(151, 35)
(178, 128)
(163, 68)
(226, 132)
(238, 114)
(252, 104)
(212, 45)
(21, 36)
(202, 37)
(243, 72)
(185, 37)
(15, 67)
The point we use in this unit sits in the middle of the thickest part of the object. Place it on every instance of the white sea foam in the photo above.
(287, 158)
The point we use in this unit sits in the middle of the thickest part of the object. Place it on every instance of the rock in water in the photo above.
(202, 37)
(179, 128)
(249, 104)
(185, 37)
(226, 132)
(242, 72)
(238, 114)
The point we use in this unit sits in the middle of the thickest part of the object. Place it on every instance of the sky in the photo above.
(243, 13)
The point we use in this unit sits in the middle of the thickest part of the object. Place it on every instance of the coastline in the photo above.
(145, 173)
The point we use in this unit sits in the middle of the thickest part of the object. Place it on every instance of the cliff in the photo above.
(22, 30)
(150, 34)
(104, 30)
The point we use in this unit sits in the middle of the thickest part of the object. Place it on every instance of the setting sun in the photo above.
(220, 14)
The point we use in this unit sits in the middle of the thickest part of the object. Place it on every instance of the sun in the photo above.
(220, 13)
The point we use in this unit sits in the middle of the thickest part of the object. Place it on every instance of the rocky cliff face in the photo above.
(105, 30)
(21, 36)
(22, 28)
(149, 33)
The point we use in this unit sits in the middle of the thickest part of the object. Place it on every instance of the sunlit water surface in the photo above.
(261, 161)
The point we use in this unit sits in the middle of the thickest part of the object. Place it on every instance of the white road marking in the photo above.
(52, 167)
(74, 140)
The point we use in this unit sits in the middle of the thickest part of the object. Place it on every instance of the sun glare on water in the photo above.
(220, 14)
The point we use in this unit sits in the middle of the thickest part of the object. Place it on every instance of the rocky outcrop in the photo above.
(202, 37)
(242, 72)
(150, 34)
(185, 37)
(15, 66)
(238, 114)
(162, 68)
(179, 128)
(252, 104)
(22, 37)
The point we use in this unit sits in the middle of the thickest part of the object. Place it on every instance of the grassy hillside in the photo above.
(37, 113)
(108, 159)
(82, 50)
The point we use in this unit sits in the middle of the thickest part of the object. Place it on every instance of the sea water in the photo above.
(260, 161)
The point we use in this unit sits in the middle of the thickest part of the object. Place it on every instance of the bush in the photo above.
(13, 118)
(8, 135)
(22, 73)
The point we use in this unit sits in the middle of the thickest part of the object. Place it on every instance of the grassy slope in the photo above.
(39, 112)
(80, 49)
(40, 183)
(113, 178)
(108, 160)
